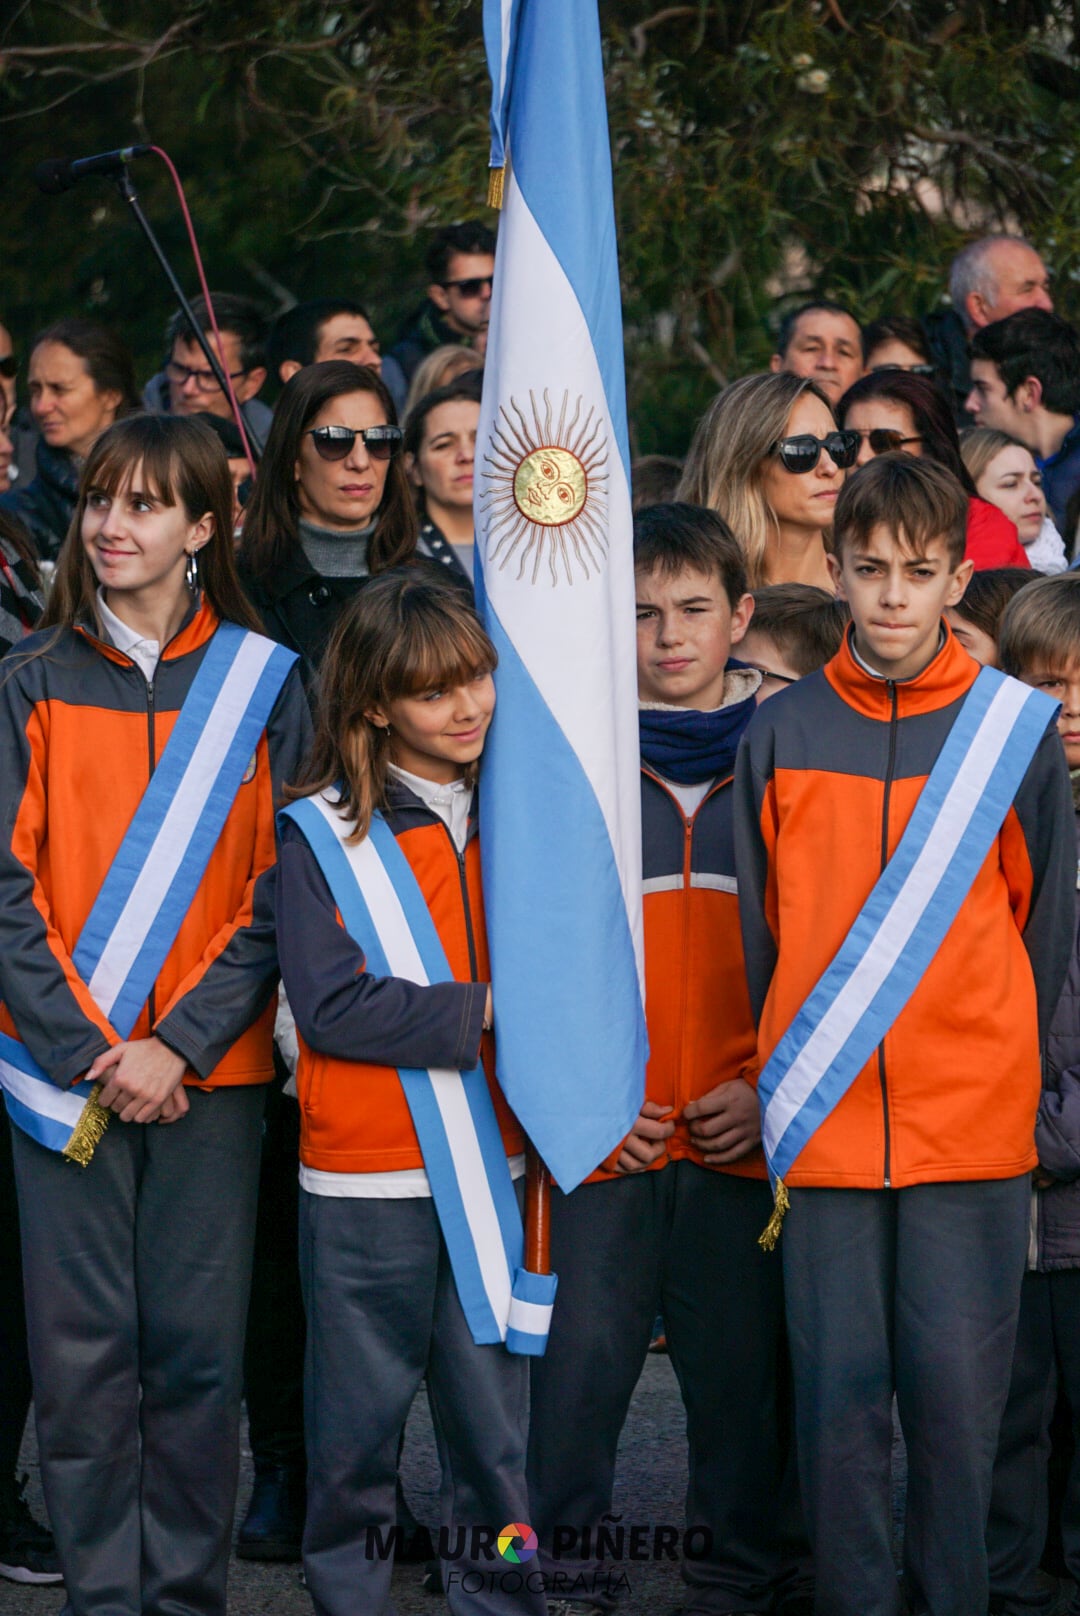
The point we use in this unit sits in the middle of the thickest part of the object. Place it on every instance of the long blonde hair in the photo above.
(403, 633)
(727, 456)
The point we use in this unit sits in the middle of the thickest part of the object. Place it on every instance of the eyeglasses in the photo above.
(908, 370)
(472, 286)
(335, 442)
(205, 380)
(8, 365)
(884, 439)
(802, 452)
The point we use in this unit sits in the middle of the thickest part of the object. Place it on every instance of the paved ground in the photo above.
(649, 1490)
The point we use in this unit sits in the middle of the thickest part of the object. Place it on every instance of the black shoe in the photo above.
(273, 1528)
(27, 1550)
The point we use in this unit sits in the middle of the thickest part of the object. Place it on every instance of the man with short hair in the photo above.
(988, 280)
(994, 277)
(330, 328)
(823, 341)
(461, 264)
(1025, 380)
(187, 385)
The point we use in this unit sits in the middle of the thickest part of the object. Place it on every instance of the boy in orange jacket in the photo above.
(906, 863)
(668, 1223)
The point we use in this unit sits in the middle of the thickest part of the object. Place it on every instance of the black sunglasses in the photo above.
(885, 439)
(8, 365)
(907, 370)
(803, 451)
(472, 286)
(335, 442)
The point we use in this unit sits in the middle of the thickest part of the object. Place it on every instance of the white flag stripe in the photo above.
(43, 1098)
(566, 644)
(171, 843)
(403, 958)
(532, 1318)
(904, 914)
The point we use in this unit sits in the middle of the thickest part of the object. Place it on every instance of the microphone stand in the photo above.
(127, 191)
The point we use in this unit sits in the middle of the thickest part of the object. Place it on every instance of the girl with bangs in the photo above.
(380, 841)
(145, 731)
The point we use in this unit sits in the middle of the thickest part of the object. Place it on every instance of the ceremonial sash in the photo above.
(159, 864)
(903, 922)
(385, 913)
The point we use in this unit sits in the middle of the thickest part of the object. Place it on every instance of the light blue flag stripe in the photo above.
(561, 158)
(38, 1118)
(939, 912)
(572, 883)
(416, 1082)
(500, 33)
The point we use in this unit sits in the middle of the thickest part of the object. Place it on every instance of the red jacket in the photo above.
(992, 540)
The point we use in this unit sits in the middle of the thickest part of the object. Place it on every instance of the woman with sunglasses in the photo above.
(892, 411)
(768, 456)
(331, 505)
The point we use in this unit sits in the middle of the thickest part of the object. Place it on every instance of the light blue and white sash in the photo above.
(159, 864)
(903, 922)
(385, 913)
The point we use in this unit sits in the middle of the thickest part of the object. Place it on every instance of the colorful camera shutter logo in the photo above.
(517, 1542)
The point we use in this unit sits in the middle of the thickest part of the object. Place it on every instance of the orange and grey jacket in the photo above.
(355, 1029)
(826, 780)
(701, 1032)
(81, 731)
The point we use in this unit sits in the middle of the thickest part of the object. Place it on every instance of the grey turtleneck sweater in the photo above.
(335, 554)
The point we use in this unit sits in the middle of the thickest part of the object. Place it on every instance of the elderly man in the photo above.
(823, 341)
(989, 280)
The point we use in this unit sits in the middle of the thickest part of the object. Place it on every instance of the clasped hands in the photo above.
(725, 1124)
(141, 1081)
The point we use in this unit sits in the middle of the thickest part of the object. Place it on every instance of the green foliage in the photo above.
(761, 151)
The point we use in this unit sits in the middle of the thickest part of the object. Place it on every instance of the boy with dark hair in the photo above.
(667, 1223)
(796, 629)
(1025, 380)
(906, 871)
(1040, 644)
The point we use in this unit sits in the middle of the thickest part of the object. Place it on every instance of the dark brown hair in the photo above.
(402, 634)
(270, 535)
(806, 623)
(107, 359)
(183, 463)
(668, 539)
(988, 593)
(916, 499)
(930, 411)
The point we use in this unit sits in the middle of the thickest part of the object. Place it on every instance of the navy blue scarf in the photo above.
(687, 746)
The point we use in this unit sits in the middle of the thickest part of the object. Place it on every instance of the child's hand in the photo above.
(647, 1139)
(138, 1079)
(726, 1122)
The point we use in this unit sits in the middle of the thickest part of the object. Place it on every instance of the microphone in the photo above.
(58, 174)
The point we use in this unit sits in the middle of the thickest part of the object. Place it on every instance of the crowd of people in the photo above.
(244, 705)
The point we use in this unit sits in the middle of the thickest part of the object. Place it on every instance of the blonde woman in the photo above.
(1004, 472)
(769, 457)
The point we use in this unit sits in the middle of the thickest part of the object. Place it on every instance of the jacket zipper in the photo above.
(460, 856)
(882, 1075)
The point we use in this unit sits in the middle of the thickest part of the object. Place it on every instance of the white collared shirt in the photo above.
(144, 653)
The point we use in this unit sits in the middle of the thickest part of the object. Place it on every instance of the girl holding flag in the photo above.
(145, 732)
(409, 1223)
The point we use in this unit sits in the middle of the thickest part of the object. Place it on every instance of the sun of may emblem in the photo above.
(546, 494)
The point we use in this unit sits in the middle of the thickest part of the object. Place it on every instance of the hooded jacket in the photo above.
(826, 781)
(81, 731)
(47, 504)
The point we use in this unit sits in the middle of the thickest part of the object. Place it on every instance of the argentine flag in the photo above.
(560, 824)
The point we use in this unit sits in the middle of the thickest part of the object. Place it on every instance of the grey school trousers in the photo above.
(681, 1241)
(915, 1291)
(383, 1314)
(137, 1270)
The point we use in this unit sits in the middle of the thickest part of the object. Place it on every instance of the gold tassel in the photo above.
(88, 1131)
(771, 1233)
(496, 177)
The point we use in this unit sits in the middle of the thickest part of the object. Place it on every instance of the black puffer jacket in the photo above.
(1056, 1225)
(47, 504)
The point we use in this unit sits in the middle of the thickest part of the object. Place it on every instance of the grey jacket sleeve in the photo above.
(752, 766)
(1044, 807)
